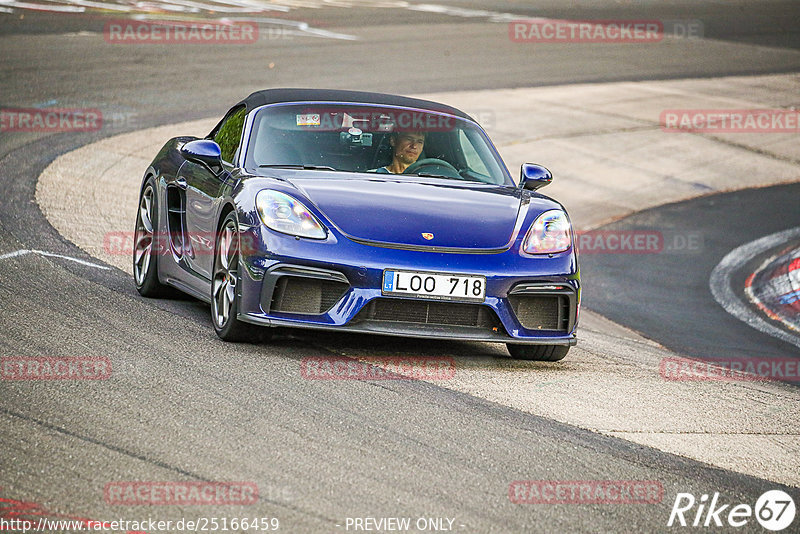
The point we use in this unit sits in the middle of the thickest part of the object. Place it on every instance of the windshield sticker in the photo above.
(308, 119)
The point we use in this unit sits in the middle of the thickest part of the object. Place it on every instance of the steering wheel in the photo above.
(438, 166)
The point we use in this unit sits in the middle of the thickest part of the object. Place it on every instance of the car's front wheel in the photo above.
(542, 353)
(224, 294)
(146, 244)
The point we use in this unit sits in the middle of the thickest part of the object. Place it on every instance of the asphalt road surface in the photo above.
(182, 405)
(697, 234)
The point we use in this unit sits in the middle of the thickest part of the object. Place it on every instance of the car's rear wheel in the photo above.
(542, 353)
(224, 294)
(145, 244)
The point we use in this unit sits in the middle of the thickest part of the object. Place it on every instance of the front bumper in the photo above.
(336, 285)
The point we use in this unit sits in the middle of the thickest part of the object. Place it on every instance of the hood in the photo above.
(399, 211)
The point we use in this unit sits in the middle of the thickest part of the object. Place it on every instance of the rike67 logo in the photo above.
(774, 510)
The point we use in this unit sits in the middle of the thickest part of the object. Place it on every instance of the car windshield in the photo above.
(370, 138)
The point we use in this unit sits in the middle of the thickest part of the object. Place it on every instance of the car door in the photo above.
(203, 186)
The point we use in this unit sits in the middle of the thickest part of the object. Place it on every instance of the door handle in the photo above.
(181, 182)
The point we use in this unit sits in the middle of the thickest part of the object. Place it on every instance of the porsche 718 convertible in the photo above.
(358, 212)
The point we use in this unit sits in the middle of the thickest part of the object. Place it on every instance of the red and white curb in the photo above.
(720, 283)
(775, 287)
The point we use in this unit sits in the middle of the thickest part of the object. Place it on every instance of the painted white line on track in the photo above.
(99, 5)
(43, 7)
(195, 6)
(14, 254)
(493, 16)
(720, 283)
(23, 252)
(253, 6)
(303, 28)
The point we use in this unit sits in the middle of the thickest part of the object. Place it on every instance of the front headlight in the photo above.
(288, 215)
(550, 233)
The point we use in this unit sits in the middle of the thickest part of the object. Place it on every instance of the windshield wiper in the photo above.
(297, 166)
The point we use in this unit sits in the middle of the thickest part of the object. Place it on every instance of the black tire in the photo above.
(541, 353)
(224, 283)
(146, 245)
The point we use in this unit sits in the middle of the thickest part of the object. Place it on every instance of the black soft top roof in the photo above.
(272, 96)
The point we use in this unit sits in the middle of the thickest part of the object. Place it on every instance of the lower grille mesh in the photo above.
(429, 312)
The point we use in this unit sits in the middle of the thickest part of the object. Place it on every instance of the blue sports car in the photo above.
(359, 212)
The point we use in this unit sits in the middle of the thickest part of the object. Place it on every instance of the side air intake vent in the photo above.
(544, 306)
(297, 294)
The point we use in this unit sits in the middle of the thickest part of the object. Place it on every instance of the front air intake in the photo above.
(314, 296)
(429, 313)
(543, 306)
(540, 312)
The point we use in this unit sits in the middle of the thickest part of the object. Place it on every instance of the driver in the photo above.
(407, 146)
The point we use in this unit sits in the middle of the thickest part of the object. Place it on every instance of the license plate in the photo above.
(435, 285)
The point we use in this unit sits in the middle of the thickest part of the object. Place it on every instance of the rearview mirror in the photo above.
(533, 176)
(203, 151)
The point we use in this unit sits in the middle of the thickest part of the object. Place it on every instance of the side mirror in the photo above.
(532, 176)
(203, 151)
